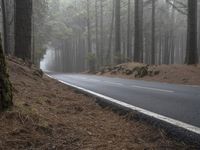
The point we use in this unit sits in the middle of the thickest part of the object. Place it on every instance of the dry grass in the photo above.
(49, 115)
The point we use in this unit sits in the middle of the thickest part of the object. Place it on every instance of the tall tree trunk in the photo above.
(138, 45)
(91, 63)
(117, 56)
(5, 35)
(191, 51)
(5, 85)
(153, 34)
(108, 57)
(33, 39)
(199, 31)
(172, 38)
(23, 19)
(102, 35)
(97, 34)
(129, 49)
(88, 27)
(166, 54)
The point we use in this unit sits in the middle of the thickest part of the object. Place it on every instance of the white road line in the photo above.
(114, 83)
(87, 79)
(171, 121)
(83, 78)
(94, 80)
(154, 89)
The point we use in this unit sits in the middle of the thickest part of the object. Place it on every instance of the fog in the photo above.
(83, 33)
(46, 64)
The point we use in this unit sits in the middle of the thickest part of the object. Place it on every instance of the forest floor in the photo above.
(178, 74)
(49, 115)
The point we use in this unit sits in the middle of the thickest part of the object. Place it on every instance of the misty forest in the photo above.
(99, 74)
(79, 35)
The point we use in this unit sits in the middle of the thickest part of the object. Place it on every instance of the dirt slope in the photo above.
(179, 74)
(48, 115)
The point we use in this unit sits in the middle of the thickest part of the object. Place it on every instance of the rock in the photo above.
(150, 73)
(128, 72)
(118, 68)
(153, 72)
(38, 73)
(113, 72)
(157, 72)
(140, 72)
(107, 69)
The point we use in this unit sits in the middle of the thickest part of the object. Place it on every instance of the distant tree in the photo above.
(23, 24)
(160, 32)
(90, 57)
(108, 57)
(89, 27)
(97, 34)
(5, 85)
(153, 33)
(117, 58)
(129, 49)
(191, 51)
(102, 33)
(138, 45)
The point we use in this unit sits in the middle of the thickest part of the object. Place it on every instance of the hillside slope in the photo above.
(49, 115)
(179, 74)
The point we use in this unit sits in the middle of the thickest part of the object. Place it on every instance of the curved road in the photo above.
(179, 102)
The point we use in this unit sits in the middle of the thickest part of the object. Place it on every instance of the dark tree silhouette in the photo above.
(23, 23)
(191, 51)
(5, 85)
(117, 32)
(138, 46)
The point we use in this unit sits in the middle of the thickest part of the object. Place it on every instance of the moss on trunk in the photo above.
(5, 85)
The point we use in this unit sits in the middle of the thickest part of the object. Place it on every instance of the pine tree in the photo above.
(23, 23)
(191, 51)
(5, 85)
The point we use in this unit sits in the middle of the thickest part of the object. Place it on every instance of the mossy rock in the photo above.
(128, 72)
(140, 72)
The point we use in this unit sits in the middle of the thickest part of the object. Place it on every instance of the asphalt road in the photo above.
(179, 102)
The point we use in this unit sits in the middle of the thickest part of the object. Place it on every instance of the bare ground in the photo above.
(178, 74)
(49, 115)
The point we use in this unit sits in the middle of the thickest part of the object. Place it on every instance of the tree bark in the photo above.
(138, 45)
(172, 36)
(191, 51)
(117, 56)
(102, 35)
(153, 34)
(5, 35)
(129, 49)
(88, 27)
(23, 24)
(97, 34)
(108, 57)
(5, 85)
(199, 30)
